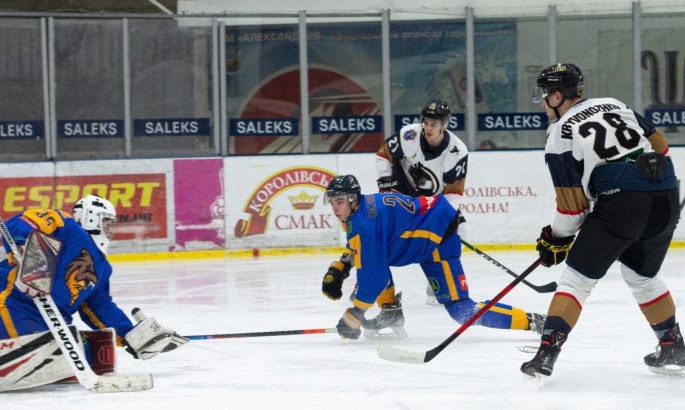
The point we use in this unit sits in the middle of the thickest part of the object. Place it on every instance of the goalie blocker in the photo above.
(35, 360)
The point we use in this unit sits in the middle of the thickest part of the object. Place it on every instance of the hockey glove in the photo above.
(149, 338)
(349, 326)
(553, 250)
(388, 184)
(463, 228)
(333, 280)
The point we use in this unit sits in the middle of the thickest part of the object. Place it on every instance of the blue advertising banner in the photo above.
(21, 129)
(669, 117)
(90, 128)
(517, 121)
(254, 127)
(457, 121)
(347, 125)
(170, 127)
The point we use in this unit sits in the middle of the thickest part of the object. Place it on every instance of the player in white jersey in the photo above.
(600, 150)
(425, 159)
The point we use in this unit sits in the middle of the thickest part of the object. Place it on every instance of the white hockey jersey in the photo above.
(423, 170)
(592, 133)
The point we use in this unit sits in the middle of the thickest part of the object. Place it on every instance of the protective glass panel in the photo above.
(428, 62)
(171, 88)
(509, 54)
(263, 89)
(345, 87)
(602, 48)
(89, 92)
(663, 74)
(22, 109)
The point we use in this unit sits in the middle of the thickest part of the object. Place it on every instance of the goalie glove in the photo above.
(349, 326)
(334, 277)
(553, 250)
(387, 184)
(148, 338)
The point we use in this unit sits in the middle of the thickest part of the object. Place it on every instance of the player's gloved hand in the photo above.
(388, 184)
(463, 228)
(552, 250)
(349, 326)
(333, 280)
(148, 338)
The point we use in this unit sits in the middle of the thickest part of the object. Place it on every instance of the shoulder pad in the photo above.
(47, 220)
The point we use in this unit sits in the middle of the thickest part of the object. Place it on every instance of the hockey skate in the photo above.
(543, 362)
(536, 322)
(430, 296)
(669, 357)
(390, 317)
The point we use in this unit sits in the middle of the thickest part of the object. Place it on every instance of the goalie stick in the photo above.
(398, 355)
(550, 287)
(41, 251)
(259, 334)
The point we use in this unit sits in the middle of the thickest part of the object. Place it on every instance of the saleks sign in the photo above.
(259, 209)
(140, 199)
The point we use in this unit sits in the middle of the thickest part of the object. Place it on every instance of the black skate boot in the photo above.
(669, 358)
(543, 362)
(536, 322)
(390, 317)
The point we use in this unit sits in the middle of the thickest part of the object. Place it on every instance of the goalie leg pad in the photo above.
(32, 360)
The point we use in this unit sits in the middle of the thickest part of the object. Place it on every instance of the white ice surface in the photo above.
(600, 367)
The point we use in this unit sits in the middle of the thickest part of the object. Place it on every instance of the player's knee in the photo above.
(576, 284)
(644, 288)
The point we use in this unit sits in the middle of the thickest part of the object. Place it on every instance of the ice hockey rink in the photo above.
(600, 367)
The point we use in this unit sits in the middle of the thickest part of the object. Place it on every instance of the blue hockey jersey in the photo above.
(393, 230)
(81, 280)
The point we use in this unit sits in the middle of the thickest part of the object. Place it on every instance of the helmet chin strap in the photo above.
(556, 111)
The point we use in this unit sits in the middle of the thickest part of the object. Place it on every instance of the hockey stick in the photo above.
(550, 287)
(398, 355)
(259, 334)
(38, 277)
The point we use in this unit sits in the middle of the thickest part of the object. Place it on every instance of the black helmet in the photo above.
(343, 185)
(563, 77)
(438, 110)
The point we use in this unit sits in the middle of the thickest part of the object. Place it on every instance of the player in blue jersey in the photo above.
(388, 229)
(425, 159)
(80, 285)
(599, 149)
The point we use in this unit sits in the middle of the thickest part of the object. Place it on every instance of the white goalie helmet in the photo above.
(98, 217)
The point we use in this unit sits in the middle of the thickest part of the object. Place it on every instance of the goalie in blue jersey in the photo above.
(389, 229)
(29, 355)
